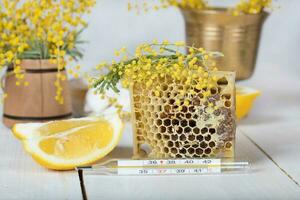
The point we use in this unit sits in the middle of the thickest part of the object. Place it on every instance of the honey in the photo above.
(203, 127)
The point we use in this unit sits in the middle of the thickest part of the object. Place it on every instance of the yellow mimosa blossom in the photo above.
(251, 6)
(243, 7)
(44, 29)
(192, 70)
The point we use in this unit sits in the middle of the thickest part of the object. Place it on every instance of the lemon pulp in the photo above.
(79, 142)
(60, 126)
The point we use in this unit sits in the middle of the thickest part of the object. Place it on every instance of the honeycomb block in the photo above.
(161, 130)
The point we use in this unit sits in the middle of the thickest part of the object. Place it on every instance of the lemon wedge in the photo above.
(245, 97)
(64, 145)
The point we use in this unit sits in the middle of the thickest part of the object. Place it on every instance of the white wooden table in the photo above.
(269, 138)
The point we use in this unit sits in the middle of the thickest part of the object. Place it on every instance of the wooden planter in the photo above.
(36, 102)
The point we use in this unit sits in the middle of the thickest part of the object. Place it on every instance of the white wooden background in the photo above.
(269, 138)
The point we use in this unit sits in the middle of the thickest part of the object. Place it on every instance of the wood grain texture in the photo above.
(266, 181)
(22, 178)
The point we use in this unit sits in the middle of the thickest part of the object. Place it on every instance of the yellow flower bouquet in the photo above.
(37, 40)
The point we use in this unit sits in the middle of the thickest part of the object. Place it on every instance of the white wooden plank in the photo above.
(273, 124)
(281, 142)
(265, 182)
(22, 178)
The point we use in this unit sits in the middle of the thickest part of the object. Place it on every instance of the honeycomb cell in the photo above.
(183, 123)
(158, 122)
(170, 129)
(148, 100)
(162, 129)
(196, 116)
(184, 109)
(222, 81)
(136, 98)
(179, 156)
(207, 150)
(187, 130)
(188, 115)
(174, 137)
(192, 109)
(166, 137)
(227, 104)
(182, 151)
(151, 120)
(191, 150)
(177, 144)
(214, 90)
(191, 137)
(199, 151)
(203, 145)
(166, 149)
(212, 144)
(158, 136)
(196, 102)
(164, 87)
(204, 130)
(192, 123)
(228, 145)
(171, 101)
(182, 137)
(199, 137)
(226, 96)
(167, 108)
(179, 129)
(167, 122)
(170, 144)
(196, 130)
(212, 131)
(145, 120)
(178, 116)
(163, 115)
(175, 122)
(207, 138)
(174, 150)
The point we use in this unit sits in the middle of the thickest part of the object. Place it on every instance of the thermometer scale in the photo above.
(167, 167)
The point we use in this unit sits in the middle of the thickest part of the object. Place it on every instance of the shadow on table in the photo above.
(118, 153)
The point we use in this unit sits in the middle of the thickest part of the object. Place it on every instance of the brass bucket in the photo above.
(216, 29)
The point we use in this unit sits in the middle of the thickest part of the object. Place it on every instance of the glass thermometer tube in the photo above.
(167, 167)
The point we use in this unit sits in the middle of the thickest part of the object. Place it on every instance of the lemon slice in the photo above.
(82, 144)
(245, 97)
